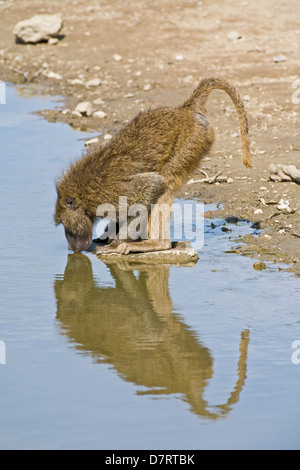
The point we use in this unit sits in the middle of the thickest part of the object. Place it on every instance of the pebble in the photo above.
(84, 108)
(99, 114)
(284, 206)
(94, 82)
(49, 74)
(147, 87)
(52, 41)
(95, 140)
(234, 35)
(76, 113)
(98, 101)
(259, 266)
(117, 58)
(107, 136)
(279, 58)
(76, 81)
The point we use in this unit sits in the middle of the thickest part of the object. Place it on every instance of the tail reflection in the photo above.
(132, 326)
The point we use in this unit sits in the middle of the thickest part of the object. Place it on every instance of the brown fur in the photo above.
(148, 160)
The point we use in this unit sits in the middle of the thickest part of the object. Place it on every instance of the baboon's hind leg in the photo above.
(158, 231)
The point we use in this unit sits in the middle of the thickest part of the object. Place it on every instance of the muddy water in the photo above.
(108, 356)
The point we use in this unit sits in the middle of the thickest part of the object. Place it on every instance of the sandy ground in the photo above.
(164, 48)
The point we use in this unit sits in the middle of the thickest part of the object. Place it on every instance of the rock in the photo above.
(84, 108)
(89, 142)
(76, 113)
(179, 57)
(38, 28)
(284, 206)
(99, 114)
(279, 58)
(66, 111)
(180, 253)
(117, 58)
(107, 136)
(52, 41)
(280, 172)
(259, 266)
(50, 74)
(234, 35)
(147, 87)
(98, 101)
(76, 81)
(94, 82)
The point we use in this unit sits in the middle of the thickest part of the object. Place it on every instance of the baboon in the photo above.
(148, 160)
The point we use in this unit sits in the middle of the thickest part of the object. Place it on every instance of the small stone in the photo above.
(117, 58)
(98, 101)
(66, 111)
(147, 87)
(89, 142)
(107, 136)
(99, 114)
(258, 211)
(52, 41)
(76, 81)
(234, 36)
(94, 82)
(179, 57)
(84, 108)
(38, 28)
(230, 180)
(279, 58)
(259, 266)
(284, 206)
(50, 74)
(76, 113)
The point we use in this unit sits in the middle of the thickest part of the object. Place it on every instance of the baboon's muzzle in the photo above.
(78, 243)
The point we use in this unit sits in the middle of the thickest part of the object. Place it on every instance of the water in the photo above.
(116, 356)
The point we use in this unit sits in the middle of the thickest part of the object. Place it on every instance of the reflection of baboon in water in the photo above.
(132, 326)
(147, 161)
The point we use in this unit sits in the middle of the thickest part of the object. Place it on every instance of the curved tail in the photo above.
(198, 99)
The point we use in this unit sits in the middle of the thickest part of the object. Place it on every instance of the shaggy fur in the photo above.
(148, 160)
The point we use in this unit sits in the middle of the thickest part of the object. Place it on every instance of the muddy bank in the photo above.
(125, 57)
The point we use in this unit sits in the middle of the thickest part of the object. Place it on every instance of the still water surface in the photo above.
(115, 356)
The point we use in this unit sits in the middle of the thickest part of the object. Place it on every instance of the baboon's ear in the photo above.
(71, 203)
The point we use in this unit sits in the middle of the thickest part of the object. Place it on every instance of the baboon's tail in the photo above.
(199, 96)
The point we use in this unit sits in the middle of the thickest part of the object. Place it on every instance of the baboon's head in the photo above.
(78, 225)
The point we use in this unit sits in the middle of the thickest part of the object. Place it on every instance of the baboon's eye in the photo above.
(71, 203)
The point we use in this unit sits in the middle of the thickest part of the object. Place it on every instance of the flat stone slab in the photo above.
(181, 253)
